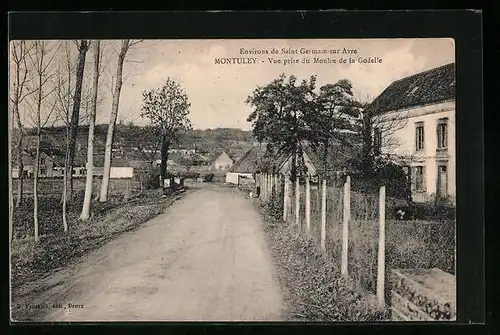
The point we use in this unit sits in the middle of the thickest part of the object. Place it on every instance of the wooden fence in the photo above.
(350, 227)
(49, 187)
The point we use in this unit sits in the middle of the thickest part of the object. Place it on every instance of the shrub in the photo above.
(432, 211)
(274, 206)
(209, 177)
(189, 175)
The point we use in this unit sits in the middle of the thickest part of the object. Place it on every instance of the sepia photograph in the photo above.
(219, 180)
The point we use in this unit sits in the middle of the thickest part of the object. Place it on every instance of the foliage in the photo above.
(282, 114)
(150, 177)
(209, 177)
(189, 175)
(167, 108)
(187, 161)
(274, 206)
(384, 172)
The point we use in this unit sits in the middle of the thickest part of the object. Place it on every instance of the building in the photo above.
(245, 168)
(120, 167)
(222, 162)
(414, 123)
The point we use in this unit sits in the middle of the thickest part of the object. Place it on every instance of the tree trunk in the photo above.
(325, 159)
(35, 183)
(75, 115)
(90, 147)
(293, 170)
(367, 159)
(112, 122)
(165, 145)
(19, 152)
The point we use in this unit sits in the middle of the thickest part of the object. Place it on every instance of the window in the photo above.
(377, 141)
(419, 178)
(42, 160)
(43, 171)
(419, 136)
(442, 134)
(442, 181)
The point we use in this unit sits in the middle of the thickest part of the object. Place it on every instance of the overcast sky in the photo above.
(217, 91)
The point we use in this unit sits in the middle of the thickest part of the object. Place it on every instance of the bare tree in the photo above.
(21, 68)
(90, 147)
(83, 46)
(41, 61)
(65, 94)
(379, 131)
(125, 47)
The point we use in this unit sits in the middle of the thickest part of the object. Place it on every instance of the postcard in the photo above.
(296, 180)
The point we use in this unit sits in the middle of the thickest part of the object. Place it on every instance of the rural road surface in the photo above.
(204, 259)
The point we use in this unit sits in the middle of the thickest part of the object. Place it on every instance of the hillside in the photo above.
(209, 141)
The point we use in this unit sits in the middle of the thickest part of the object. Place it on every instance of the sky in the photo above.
(217, 91)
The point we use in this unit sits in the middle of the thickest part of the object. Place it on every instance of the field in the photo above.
(52, 187)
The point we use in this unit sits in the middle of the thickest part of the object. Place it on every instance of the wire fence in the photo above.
(327, 210)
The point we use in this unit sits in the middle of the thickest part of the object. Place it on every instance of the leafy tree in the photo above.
(337, 116)
(167, 108)
(282, 114)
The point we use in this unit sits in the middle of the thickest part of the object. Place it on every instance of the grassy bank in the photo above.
(32, 260)
(313, 287)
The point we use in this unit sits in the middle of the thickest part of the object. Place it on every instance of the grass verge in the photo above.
(31, 261)
(313, 288)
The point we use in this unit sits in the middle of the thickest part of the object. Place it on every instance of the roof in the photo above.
(250, 161)
(216, 154)
(432, 86)
(340, 157)
(115, 161)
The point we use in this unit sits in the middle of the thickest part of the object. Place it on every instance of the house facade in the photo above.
(48, 166)
(414, 123)
(120, 167)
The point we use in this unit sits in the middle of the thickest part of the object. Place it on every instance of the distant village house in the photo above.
(222, 162)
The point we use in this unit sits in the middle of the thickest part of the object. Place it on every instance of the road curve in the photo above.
(204, 259)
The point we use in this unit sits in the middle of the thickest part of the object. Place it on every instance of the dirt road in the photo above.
(204, 259)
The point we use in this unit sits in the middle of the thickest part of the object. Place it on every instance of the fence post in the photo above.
(276, 184)
(267, 186)
(345, 228)
(271, 184)
(297, 202)
(381, 250)
(285, 197)
(323, 215)
(308, 206)
(263, 186)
